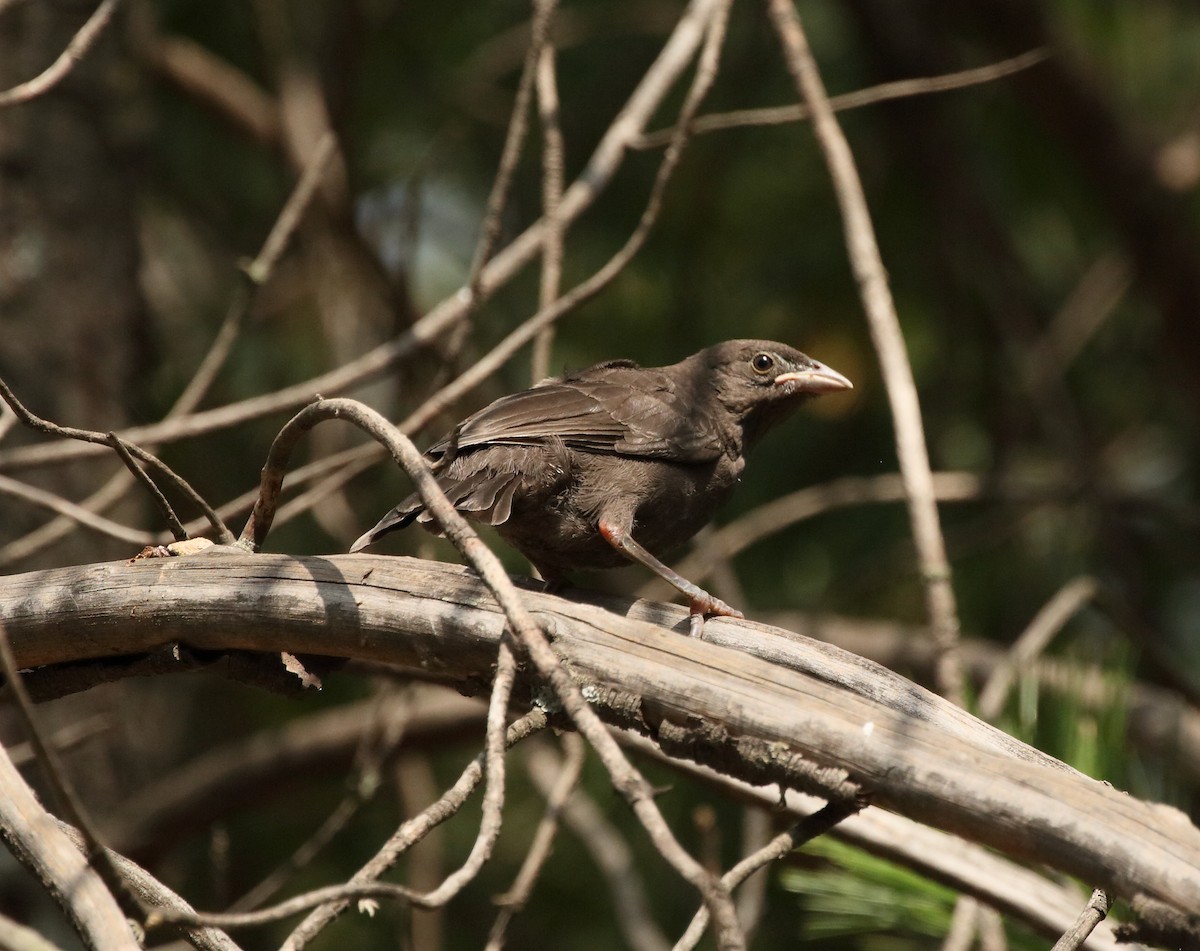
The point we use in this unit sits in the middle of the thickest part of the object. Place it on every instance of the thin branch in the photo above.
(1094, 912)
(888, 339)
(872, 95)
(168, 513)
(1055, 613)
(538, 853)
(74, 514)
(510, 155)
(85, 435)
(553, 152)
(608, 849)
(377, 741)
(363, 884)
(963, 925)
(80, 43)
(805, 830)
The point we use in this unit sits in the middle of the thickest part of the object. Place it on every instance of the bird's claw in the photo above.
(707, 607)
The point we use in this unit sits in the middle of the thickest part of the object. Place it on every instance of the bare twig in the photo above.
(139, 473)
(364, 884)
(552, 187)
(80, 43)
(382, 732)
(889, 345)
(884, 92)
(538, 853)
(1066, 602)
(805, 830)
(510, 155)
(84, 435)
(73, 514)
(1094, 912)
(606, 845)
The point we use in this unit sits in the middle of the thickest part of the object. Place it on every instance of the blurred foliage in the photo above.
(992, 212)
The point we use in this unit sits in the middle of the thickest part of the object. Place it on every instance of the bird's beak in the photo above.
(817, 378)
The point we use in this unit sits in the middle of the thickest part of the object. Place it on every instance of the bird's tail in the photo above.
(402, 515)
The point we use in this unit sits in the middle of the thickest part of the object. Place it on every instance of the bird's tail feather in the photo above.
(487, 499)
(399, 517)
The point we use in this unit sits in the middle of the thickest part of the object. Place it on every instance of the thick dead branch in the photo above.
(755, 702)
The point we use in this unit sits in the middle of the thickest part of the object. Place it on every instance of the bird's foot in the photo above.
(706, 606)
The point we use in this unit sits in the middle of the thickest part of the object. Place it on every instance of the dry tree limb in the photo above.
(1055, 613)
(33, 837)
(884, 92)
(763, 704)
(888, 339)
(80, 43)
(68, 799)
(1045, 905)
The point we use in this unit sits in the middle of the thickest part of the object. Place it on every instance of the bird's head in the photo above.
(760, 382)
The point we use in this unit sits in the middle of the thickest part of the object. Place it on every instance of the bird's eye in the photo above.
(762, 362)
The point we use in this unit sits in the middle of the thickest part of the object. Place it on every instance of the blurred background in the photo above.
(1041, 233)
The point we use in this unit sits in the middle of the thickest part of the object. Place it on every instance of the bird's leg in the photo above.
(703, 604)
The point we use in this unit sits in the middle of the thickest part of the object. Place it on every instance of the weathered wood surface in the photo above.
(756, 702)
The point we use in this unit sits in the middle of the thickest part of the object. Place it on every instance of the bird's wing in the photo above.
(639, 416)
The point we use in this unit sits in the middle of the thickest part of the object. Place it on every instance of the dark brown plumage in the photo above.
(618, 462)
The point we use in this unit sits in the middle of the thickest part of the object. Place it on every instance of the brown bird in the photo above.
(618, 462)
